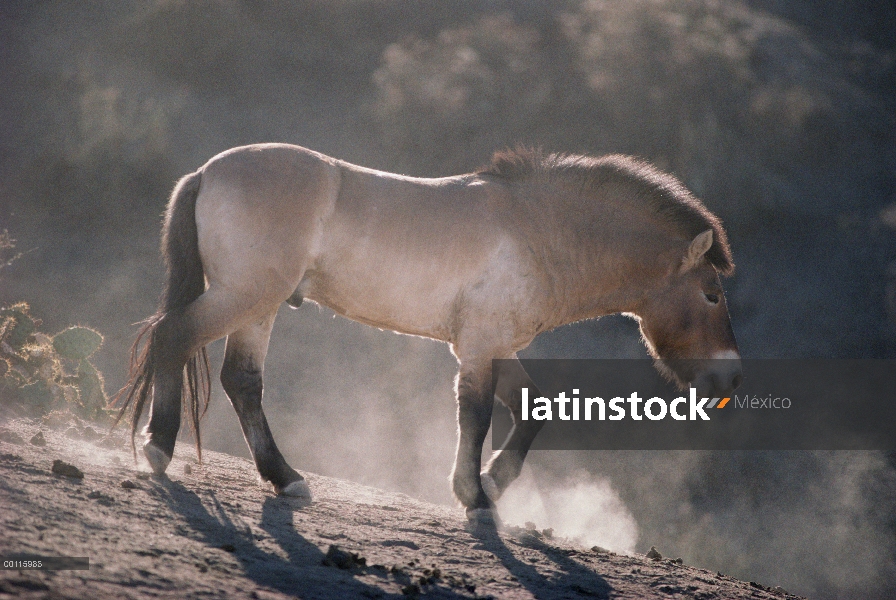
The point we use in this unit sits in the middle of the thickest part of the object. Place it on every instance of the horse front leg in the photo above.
(474, 414)
(241, 377)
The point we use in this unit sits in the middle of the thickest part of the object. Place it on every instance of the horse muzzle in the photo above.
(720, 377)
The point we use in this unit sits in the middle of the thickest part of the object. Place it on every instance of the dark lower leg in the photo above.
(505, 464)
(164, 414)
(474, 413)
(169, 351)
(242, 380)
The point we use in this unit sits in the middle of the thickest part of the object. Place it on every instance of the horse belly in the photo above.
(412, 296)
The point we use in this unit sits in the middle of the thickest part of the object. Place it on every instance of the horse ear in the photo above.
(699, 246)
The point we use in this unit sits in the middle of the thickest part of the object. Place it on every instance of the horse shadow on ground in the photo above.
(300, 573)
(575, 580)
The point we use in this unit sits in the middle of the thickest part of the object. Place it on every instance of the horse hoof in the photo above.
(490, 487)
(156, 457)
(297, 489)
(483, 516)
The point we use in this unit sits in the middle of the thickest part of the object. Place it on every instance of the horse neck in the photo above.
(606, 262)
(601, 289)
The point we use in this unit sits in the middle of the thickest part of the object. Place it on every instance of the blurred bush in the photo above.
(41, 373)
(456, 87)
(7, 250)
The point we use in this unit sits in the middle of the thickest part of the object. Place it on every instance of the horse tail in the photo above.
(184, 284)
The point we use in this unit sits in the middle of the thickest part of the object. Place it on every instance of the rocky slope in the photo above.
(211, 530)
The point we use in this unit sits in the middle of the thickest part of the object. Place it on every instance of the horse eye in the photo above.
(712, 298)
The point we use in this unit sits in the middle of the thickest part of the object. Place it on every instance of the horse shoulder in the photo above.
(506, 306)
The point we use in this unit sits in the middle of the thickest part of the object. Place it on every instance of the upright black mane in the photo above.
(666, 195)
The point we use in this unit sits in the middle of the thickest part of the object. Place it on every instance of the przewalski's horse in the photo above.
(484, 262)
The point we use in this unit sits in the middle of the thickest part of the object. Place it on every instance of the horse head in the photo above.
(685, 324)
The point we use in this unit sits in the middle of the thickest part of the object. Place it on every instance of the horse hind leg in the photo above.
(170, 349)
(176, 337)
(241, 377)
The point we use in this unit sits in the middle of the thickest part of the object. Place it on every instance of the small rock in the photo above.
(11, 437)
(531, 526)
(67, 470)
(38, 439)
(342, 559)
(679, 561)
(142, 475)
(109, 442)
(128, 484)
(73, 433)
(115, 459)
(228, 547)
(758, 586)
(430, 576)
(529, 539)
(654, 554)
(101, 497)
(187, 469)
(599, 549)
(90, 434)
(548, 533)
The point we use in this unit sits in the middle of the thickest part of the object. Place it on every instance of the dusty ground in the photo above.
(215, 532)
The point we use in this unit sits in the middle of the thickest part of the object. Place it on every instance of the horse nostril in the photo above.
(738, 379)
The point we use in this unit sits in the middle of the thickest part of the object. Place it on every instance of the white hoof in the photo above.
(490, 487)
(297, 489)
(157, 459)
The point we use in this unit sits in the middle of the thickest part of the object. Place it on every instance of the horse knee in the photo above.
(474, 406)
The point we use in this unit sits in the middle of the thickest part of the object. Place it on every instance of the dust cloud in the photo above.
(580, 507)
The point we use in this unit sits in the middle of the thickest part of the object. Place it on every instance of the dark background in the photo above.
(780, 115)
